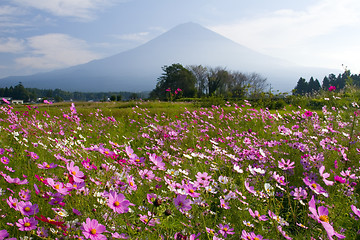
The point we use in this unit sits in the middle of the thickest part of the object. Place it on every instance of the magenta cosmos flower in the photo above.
(92, 229)
(225, 230)
(27, 208)
(118, 203)
(181, 203)
(332, 88)
(321, 216)
(315, 187)
(27, 224)
(75, 172)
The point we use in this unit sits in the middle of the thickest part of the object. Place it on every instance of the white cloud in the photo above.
(79, 9)
(138, 37)
(52, 51)
(285, 32)
(11, 45)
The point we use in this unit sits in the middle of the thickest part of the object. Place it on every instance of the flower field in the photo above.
(225, 172)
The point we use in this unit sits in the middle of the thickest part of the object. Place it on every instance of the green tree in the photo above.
(301, 87)
(174, 77)
(113, 98)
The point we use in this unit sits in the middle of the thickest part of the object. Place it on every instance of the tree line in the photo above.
(19, 92)
(312, 86)
(201, 81)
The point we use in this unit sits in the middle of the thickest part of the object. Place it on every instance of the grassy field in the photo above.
(155, 170)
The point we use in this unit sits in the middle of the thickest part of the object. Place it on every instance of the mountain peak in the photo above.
(137, 69)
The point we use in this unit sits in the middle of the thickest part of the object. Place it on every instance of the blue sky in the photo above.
(42, 35)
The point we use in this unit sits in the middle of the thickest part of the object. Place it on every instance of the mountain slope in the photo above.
(139, 68)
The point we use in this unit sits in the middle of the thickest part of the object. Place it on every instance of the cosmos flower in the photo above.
(92, 229)
(26, 224)
(27, 208)
(321, 216)
(332, 88)
(118, 203)
(325, 176)
(315, 187)
(355, 210)
(225, 230)
(286, 165)
(181, 203)
(75, 172)
(257, 215)
(45, 165)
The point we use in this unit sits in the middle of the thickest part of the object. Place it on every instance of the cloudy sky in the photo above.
(42, 35)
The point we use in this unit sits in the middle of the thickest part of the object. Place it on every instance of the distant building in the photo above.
(9, 100)
(17, 101)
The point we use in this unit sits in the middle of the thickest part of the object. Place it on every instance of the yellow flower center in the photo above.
(225, 229)
(146, 220)
(116, 203)
(47, 166)
(324, 218)
(73, 173)
(256, 238)
(191, 191)
(14, 204)
(27, 209)
(27, 224)
(57, 186)
(313, 185)
(93, 231)
(137, 160)
(131, 184)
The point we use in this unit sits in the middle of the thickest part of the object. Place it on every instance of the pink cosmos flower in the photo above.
(25, 195)
(321, 216)
(316, 188)
(75, 172)
(92, 229)
(118, 203)
(224, 204)
(250, 188)
(148, 219)
(279, 179)
(157, 161)
(299, 193)
(131, 182)
(58, 186)
(190, 190)
(325, 176)
(27, 224)
(340, 179)
(3, 234)
(286, 165)
(27, 208)
(355, 210)
(147, 174)
(15, 180)
(45, 165)
(151, 197)
(308, 113)
(332, 88)
(13, 203)
(181, 203)
(4, 160)
(225, 230)
(257, 215)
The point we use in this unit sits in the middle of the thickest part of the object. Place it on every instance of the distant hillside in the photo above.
(187, 44)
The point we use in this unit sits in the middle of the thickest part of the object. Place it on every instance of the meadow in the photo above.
(151, 170)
